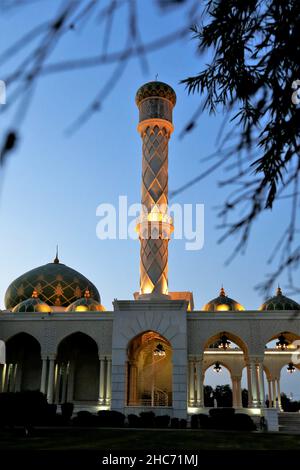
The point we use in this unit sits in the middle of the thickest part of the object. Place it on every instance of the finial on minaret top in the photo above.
(56, 259)
(222, 292)
(278, 290)
(156, 77)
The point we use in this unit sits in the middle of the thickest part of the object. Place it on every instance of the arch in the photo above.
(149, 370)
(23, 363)
(231, 336)
(77, 369)
(212, 396)
(289, 336)
(69, 333)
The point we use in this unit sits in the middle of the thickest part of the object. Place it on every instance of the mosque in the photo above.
(152, 352)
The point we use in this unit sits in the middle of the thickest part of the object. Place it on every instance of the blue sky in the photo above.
(53, 184)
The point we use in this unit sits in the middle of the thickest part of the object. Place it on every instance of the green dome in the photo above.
(155, 89)
(86, 304)
(56, 284)
(223, 303)
(280, 302)
(32, 305)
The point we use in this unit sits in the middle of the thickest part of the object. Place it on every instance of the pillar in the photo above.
(101, 398)
(278, 393)
(155, 101)
(236, 392)
(249, 384)
(3, 377)
(199, 383)
(270, 393)
(44, 375)
(64, 383)
(191, 382)
(274, 393)
(108, 380)
(261, 386)
(51, 373)
(70, 392)
(254, 384)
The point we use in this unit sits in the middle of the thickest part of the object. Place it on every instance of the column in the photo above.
(278, 393)
(132, 383)
(254, 384)
(101, 398)
(4, 375)
(70, 392)
(270, 393)
(44, 375)
(57, 379)
(108, 380)
(261, 385)
(191, 382)
(234, 394)
(274, 393)
(199, 383)
(64, 383)
(50, 389)
(249, 384)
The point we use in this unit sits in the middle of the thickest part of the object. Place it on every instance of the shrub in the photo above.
(23, 408)
(67, 411)
(174, 423)
(183, 424)
(243, 422)
(85, 418)
(204, 421)
(222, 412)
(134, 421)
(162, 421)
(194, 422)
(110, 418)
(147, 419)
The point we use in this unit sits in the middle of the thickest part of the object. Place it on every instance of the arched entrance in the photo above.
(217, 386)
(149, 370)
(77, 369)
(22, 370)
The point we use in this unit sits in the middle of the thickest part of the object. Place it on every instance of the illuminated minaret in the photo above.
(155, 101)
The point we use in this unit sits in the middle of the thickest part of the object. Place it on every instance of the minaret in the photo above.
(155, 101)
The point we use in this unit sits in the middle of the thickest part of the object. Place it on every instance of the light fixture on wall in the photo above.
(217, 367)
(291, 368)
(159, 350)
(282, 343)
(224, 342)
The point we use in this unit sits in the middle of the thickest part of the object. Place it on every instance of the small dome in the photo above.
(56, 284)
(155, 89)
(223, 304)
(86, 304)
(32, 305)
(279, 302)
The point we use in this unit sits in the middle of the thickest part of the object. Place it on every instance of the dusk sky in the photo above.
(54, 182)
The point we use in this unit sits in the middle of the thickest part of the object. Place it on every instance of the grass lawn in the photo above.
(145, 440)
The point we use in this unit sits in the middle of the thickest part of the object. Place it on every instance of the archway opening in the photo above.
(217, 386)
(23, 363)
(149, 370)
(290, 387)
(77, 369)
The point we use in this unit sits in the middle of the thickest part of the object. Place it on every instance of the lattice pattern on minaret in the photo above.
(155, 101)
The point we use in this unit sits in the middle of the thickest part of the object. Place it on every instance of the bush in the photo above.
(162, 421)
(175, 423)
(243, 422)
(222, 412)
(194, 422)
(110, 418)
(183, 424)
(23, 408)
(134, 421)
(147, 419)
(204, 421)
(85, 418)
(67, 411)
